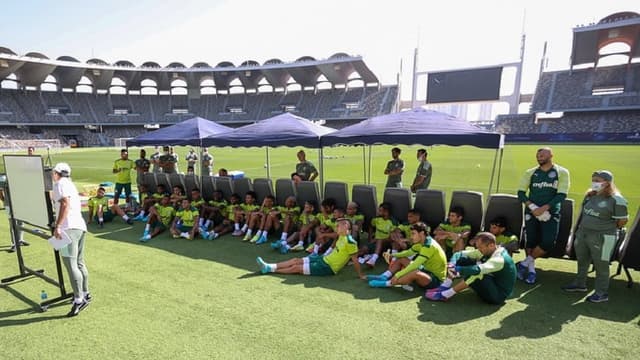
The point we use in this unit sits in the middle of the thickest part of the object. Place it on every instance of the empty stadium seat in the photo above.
(207, 187)
(284, 189)
(565, 232)
(431, 205)
(149, 179)
(400, 201)
(628, 253)
(162, 178)
(224, 184)
(509, 207)
(307, 190)
(262, 187)
(176, 179)
(365, 196)
(338, 191)
(191, 182)
(471, 202)
(242, 186)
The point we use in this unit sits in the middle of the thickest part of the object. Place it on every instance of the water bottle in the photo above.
(43, 295)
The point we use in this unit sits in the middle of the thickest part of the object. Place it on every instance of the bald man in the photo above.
(542, 189)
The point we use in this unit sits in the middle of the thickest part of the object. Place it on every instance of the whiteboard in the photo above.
(26, 188)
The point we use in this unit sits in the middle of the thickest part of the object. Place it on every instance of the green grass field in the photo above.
(179, 299)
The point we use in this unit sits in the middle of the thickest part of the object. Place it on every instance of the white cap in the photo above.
(63, 169)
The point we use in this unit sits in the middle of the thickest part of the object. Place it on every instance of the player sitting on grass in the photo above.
(427, 269)
(146, 200)
(357, 219)
(322, 219)
(401, 235)
(229, 212)
(381, 228)
(100, 211)
(325, 239)
(149, 202)
(452, 235)
(504, 238)
(160, 217)
(488, 270)
(213, 213)
(243, 214)
(289, 215)
(263, 221)
(177, 195)
(346, 249)
(305, 225)
(185, 221)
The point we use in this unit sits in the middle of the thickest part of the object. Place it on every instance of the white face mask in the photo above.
(597, 186)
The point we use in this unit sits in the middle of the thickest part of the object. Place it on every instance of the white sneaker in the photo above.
(185, 235)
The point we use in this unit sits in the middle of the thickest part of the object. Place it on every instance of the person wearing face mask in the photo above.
(542, 189)
(423, 174)
(604, 211)
(167, 162)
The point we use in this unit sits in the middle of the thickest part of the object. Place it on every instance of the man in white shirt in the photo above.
(70, 224)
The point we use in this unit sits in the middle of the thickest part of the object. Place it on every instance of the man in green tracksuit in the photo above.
(548, 186)
(488, 270)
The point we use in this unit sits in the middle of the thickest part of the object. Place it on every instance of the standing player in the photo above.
(305, 168)
(142, 167)
(155, 160)
(423, 174)
(394, 169)
(192, 159)
(167, 162)
(547, 185)
(206, 164)
(122, 168)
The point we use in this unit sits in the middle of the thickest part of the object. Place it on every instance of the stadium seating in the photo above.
(629, 251)
(241, 186)
(149, 179)
(284, 189)
(191, 182)
(471, 202)
(262, 187)
(225, 185)
(564, 233)
(307, 190)
(337, 190)
(431, 205)
(400, 200)
(207, 187)
(365, 196)
(507, 206)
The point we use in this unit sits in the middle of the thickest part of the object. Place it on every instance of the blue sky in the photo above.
(450, 35)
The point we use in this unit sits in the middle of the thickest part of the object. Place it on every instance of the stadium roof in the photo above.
(33, 68)
(619, 27)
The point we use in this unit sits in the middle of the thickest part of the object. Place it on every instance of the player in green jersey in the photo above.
(122, 168)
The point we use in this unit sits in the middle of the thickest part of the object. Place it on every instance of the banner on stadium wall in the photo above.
(633, 138)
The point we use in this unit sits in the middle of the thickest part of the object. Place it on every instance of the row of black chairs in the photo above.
(430, 203)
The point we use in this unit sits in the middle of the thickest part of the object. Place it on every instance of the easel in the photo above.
(41, 231)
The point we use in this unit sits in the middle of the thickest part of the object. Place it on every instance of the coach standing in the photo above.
(394, 169)
(122, 168)
(70, 224)
(548, 186)
(424, 172)
(305, 168)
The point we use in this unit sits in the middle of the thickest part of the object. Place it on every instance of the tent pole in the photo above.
(364, 164)
(369, 177)
(499, 170)
(268, 164)
(321, 163)
(493, 171)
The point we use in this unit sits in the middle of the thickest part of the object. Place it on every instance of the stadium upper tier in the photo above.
(571, 123)
(593, 89)
(19, 107)
(33, 68)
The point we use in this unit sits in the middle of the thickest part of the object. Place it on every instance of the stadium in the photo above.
(171, 298)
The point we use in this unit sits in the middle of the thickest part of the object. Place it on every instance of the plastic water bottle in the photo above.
(43, 295)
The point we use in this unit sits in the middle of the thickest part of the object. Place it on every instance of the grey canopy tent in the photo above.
(281, 130)
(418, 126)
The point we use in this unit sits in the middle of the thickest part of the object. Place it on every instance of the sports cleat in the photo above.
(88, 297)
(145, 237)
(598, 298)
(101, 224)
(213, 235)
(297, 247)
(261, 240)
(145, 219)
(378, 283)
(309, 248)
(371, 262)
(276, 245)
(138, 217)
(440, 288)
(436, 296)
(284, 249)
(521, 270)
(175, 236)
(130, 221)
(574, 288)
(246, 237)
(204, 234)
(237, 233)
(376, 277)
(255, 238)
(77, 307)
(531, 278)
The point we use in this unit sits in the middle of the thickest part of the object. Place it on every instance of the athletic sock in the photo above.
(201, 222)
(373, 258)
(328, 251)
(207, 223)
(447, 282)
(147, 227)
(284, 236)
(388, 283)
(316, 247)
(249, 232)
(244, 227)
(236, 226)
(387, 274)
(532, 266)
(141, 213)
(448, 293)
(101, 219)
(125, 217)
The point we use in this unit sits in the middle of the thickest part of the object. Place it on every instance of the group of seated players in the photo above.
(414, 253)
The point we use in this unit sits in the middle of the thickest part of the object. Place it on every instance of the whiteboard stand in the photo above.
(40, 225)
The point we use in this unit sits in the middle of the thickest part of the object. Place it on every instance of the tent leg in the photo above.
(493, 172)
(364, 165)
(369, 177)
(268, 163)
(321, 162)
(499, 170)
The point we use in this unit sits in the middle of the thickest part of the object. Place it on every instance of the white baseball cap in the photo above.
(63, 169)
